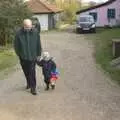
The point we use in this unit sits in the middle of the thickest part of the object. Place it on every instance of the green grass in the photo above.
(103, 49)
(7, 59)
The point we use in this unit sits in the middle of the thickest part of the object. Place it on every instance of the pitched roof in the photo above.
(97, 6)
(38, 6)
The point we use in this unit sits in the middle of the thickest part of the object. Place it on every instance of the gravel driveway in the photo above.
(83, 92)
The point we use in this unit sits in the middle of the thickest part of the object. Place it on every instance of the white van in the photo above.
(85, 23)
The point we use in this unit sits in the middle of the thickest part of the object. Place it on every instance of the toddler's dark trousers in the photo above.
(46, 80)
(28, 68)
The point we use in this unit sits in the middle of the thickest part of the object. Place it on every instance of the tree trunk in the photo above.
(3, 37)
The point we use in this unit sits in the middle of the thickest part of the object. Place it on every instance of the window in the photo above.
(94, 14)
(84, 19)
(111, 13)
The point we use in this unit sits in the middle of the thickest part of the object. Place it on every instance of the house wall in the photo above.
(118, 12)
(102, 19)
(43, 19)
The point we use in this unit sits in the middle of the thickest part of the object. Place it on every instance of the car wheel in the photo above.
(77, 31)
(94, 30)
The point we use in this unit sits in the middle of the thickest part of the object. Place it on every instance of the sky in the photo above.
(96, 0)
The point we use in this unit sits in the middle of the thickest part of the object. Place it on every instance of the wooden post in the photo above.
(116, 48)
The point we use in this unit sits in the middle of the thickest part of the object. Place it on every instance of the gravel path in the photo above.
(82, 93)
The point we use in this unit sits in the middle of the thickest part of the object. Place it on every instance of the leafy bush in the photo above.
(12, 13)
(70, 7)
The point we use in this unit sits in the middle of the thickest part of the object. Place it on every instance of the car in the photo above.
(85, 23)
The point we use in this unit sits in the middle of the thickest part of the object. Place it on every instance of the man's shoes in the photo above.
(33, 91)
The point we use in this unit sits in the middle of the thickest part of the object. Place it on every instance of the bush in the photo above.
(12, 13)
(7, 59)
(70, 8)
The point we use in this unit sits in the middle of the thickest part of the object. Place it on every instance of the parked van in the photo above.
(85, 23)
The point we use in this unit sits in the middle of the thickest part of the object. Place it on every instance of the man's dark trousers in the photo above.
(29, 71)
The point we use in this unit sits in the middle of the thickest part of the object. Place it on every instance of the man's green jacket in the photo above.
(27, 44)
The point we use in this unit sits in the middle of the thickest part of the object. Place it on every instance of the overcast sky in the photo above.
(95, 0)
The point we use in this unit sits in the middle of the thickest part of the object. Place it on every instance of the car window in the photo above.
(91, 19)
(84, 19)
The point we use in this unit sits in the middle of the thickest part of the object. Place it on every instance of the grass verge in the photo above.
(8, 59)
(103, 49)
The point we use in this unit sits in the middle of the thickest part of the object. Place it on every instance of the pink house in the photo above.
(107, 13)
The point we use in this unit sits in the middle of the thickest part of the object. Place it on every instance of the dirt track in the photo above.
(82, 93)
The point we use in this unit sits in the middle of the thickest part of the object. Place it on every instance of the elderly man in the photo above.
(28, 47)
